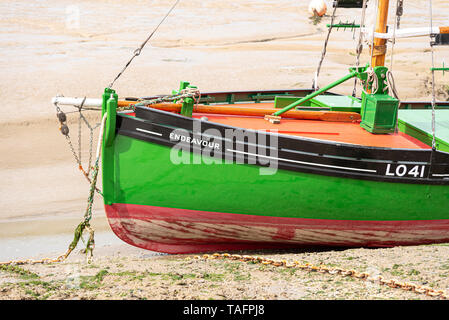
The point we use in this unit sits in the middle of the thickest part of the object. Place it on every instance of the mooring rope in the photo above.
(332, 271)
(85, 224)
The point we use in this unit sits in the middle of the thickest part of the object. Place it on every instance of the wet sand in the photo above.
(142, 275)
(56, 47)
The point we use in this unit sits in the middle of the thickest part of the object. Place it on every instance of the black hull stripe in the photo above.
(293, 153)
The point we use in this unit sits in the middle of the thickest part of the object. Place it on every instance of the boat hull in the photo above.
(173, 230)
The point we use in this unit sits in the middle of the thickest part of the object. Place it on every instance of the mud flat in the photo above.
(119, 272)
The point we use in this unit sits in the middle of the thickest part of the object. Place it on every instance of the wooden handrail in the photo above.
(256, 111)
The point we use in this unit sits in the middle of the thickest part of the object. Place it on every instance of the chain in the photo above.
(91, 137)
(330, 270)
(399, 12)
(41, 261)
(140, 48)
(62, 118)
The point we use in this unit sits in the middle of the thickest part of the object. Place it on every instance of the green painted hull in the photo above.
(141, 173)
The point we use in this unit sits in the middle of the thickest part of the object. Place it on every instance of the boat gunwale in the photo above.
(428, 153)
(299, 138)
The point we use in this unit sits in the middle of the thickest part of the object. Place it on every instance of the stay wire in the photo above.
(433, 80)
(323, 53)
(359, 48)
(139, 49)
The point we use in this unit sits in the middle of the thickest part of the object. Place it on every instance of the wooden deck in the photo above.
(346, 132)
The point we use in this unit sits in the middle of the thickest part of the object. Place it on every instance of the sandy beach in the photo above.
(76, 49)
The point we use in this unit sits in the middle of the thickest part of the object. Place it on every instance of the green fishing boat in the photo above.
(196, 171)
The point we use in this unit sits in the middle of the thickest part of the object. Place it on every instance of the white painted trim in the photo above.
(302, 162)
(150, 132)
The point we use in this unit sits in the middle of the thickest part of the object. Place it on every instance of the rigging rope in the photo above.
(391, 86)
(188, 92)
(359, 47)
(323, 53)
(393, 40)
(140, 48)
(389, 76)
(372, 37)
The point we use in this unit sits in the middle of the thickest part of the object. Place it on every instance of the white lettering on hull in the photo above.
(194, 141)
(401, 170)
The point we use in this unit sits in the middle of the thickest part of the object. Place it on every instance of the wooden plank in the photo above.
(257, 111)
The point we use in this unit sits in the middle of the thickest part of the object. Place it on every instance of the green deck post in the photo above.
(187, 104)
(316, 93)
(109, 105)
(187, 107)
(109, 130)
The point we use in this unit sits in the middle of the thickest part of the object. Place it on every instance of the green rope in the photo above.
(78, 235)
(85, 224)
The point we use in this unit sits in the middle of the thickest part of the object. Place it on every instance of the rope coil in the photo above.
(188, 92)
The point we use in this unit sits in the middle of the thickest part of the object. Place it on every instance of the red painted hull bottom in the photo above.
(172, 230)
